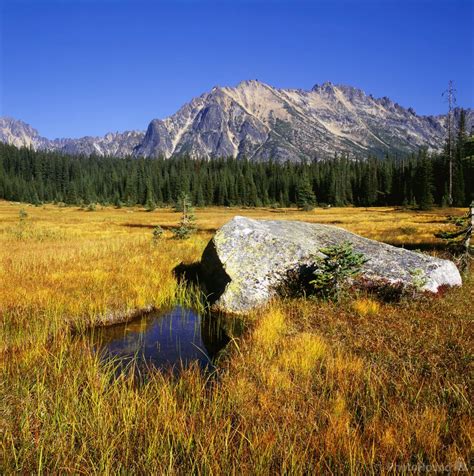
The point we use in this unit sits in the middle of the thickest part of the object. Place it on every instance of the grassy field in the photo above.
(361, 387)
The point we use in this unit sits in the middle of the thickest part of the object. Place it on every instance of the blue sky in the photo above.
(82, 67)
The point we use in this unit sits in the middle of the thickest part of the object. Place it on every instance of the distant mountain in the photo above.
(260, 122)
(20, 134)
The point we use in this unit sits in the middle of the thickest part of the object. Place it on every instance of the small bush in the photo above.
(182, 232)
(382, 289)
(22, 215)
(22, 228)
(150, 206)
(157, 233)
(335, 271)
(187, 224)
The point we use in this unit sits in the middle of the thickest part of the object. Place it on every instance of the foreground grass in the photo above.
(360, 387)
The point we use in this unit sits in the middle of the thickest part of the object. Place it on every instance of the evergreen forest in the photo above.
(419, 179)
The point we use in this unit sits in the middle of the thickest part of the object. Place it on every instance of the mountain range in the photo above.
(260, 122)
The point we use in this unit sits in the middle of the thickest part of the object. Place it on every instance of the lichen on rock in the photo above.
(247, 261)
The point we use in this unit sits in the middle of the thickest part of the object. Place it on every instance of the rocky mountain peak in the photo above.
(327, 86)
(250, 83)
(258, 121)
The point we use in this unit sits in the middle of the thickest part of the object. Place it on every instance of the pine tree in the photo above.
(306, 199)
(187, 223)
(71, 194)
(150, 204)
(424, 184)
(27, 175)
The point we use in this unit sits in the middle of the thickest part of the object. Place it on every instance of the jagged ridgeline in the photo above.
(40, 176)
(260, 122)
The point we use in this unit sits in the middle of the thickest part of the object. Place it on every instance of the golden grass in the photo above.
(366, 307)
(360, 387)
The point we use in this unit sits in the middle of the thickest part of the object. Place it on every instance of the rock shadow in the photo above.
(297, 282)
(208, 274)
(187, 272)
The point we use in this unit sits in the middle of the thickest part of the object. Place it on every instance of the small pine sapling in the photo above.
(335, 270)
(157, 233)
(187, 224)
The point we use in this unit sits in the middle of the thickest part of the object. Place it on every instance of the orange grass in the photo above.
(361, 387)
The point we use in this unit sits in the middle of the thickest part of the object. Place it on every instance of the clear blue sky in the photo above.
(86, 67)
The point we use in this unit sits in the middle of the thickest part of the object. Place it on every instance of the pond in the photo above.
(166, 340)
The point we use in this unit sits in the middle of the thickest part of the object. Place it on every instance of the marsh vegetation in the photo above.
(361, 386)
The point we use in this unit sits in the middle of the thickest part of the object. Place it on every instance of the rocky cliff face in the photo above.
(20, 134)
(114, 144)
(257, 121)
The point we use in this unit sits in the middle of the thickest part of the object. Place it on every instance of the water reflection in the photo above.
(168, 340)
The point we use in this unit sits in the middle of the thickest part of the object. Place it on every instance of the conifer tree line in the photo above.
(419, 179)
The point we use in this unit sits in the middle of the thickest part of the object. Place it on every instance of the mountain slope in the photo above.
(257, 121)
(20, 134)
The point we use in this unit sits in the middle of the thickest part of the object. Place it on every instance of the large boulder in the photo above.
(247, 261)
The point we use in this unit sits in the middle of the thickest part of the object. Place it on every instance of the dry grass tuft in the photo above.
(366, 307)
(302, 353)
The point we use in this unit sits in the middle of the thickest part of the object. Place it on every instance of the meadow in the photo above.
(363, 386)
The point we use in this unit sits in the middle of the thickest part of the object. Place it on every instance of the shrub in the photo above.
(22, 228)
(187, 224)
(22, 215)
(157, 233)
(150, 206)
(183, 231)
(335, 270)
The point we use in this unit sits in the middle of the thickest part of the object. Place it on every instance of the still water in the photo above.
(173, 339)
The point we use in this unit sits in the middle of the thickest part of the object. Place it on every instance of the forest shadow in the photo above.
(423, 246)
(440, 221)
(166, 227)
(138, 225)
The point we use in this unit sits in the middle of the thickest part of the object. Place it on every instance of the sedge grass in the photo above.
(311, 387)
